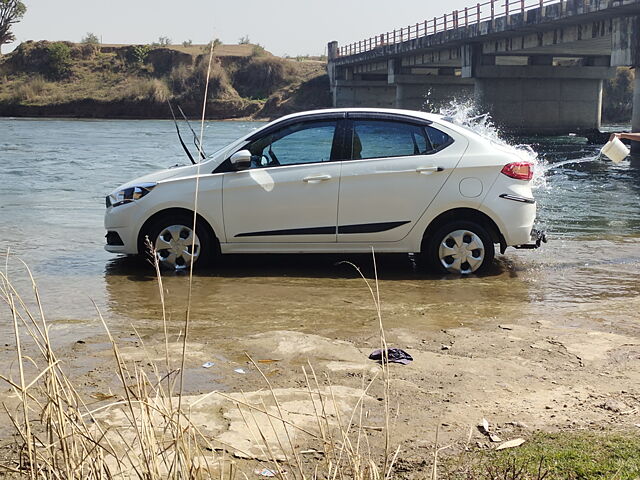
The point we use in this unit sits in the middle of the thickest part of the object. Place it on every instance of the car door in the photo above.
(397, 167)
(290, 192)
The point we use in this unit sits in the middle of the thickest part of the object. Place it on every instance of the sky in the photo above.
(284, 27)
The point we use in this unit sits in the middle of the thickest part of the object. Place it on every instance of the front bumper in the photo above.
(121, 237)
(538, 237)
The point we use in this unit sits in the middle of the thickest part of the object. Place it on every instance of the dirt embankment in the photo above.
(62, 79)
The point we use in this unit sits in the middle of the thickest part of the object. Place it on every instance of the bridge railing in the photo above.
(489, 10)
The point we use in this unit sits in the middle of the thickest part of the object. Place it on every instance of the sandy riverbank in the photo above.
(522, 374)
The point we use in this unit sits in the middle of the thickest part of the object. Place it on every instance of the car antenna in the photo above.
(186, 150)
(196, 142)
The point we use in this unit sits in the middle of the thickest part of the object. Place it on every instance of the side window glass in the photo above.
(307, 142)
(380, 138)
(438, 139)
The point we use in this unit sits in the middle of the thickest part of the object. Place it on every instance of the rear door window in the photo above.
(439, 140)
(383, 139)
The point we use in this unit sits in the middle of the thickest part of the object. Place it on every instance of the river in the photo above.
(56, 173)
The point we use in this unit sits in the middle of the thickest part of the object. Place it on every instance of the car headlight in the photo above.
(128, 195)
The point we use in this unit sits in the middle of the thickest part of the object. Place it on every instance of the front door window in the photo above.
(308, 142)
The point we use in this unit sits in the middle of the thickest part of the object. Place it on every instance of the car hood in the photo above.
(159, 176)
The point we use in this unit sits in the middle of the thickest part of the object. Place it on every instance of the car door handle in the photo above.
(316, 178)
(429, 169)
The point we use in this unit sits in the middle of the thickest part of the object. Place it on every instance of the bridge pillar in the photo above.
(542, 99)
(364, 93)
(537, 97)
(430, 92)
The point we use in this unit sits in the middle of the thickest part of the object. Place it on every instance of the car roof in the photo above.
(397, 111)
(429, 117)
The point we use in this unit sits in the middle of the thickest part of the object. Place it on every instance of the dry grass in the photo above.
(151, 89)
(31, 89)
(61, 436)
(262, 76)
(197, 49)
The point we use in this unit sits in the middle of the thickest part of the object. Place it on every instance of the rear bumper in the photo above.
(538, 237)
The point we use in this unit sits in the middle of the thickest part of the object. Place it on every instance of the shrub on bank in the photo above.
(59, 60)
(189, 82)
(150, 89)
(31, 89)
(135, 55)
(261, 76)
(617, 103)
(51, 59)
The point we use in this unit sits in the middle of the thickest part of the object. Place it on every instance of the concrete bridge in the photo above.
(537, 65)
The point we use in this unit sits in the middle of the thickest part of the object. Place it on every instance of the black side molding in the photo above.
(370, 227)
(292, 231)
(344, 229)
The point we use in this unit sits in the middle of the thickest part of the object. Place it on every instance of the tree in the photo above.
(213, 44)
(91, 39)
(244, 40)
(11, 11)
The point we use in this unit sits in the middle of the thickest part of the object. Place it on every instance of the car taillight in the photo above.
(518, 170)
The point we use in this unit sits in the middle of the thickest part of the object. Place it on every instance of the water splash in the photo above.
(548, 166)
(467, 114)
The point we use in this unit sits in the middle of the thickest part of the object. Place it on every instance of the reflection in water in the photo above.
(591, 209)
(305, 292)
(253, 293)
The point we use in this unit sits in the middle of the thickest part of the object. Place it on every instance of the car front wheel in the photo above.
(460, 247)
(176, 244)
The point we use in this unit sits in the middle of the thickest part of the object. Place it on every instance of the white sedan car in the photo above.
(339, 180)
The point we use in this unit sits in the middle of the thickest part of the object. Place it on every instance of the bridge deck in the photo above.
(494, 19)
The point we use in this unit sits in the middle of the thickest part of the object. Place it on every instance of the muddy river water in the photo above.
(55, 173)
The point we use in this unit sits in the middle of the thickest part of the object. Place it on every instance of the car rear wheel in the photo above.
(459, 247)
(175, 243)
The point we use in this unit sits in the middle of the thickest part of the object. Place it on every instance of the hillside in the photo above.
(135, 81)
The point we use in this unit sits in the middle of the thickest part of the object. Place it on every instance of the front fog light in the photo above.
(130, 194)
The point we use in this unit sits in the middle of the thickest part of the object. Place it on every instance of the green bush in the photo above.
(59, 60)
(136, 55)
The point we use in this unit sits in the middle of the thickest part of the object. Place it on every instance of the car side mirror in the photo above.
(241, 160)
